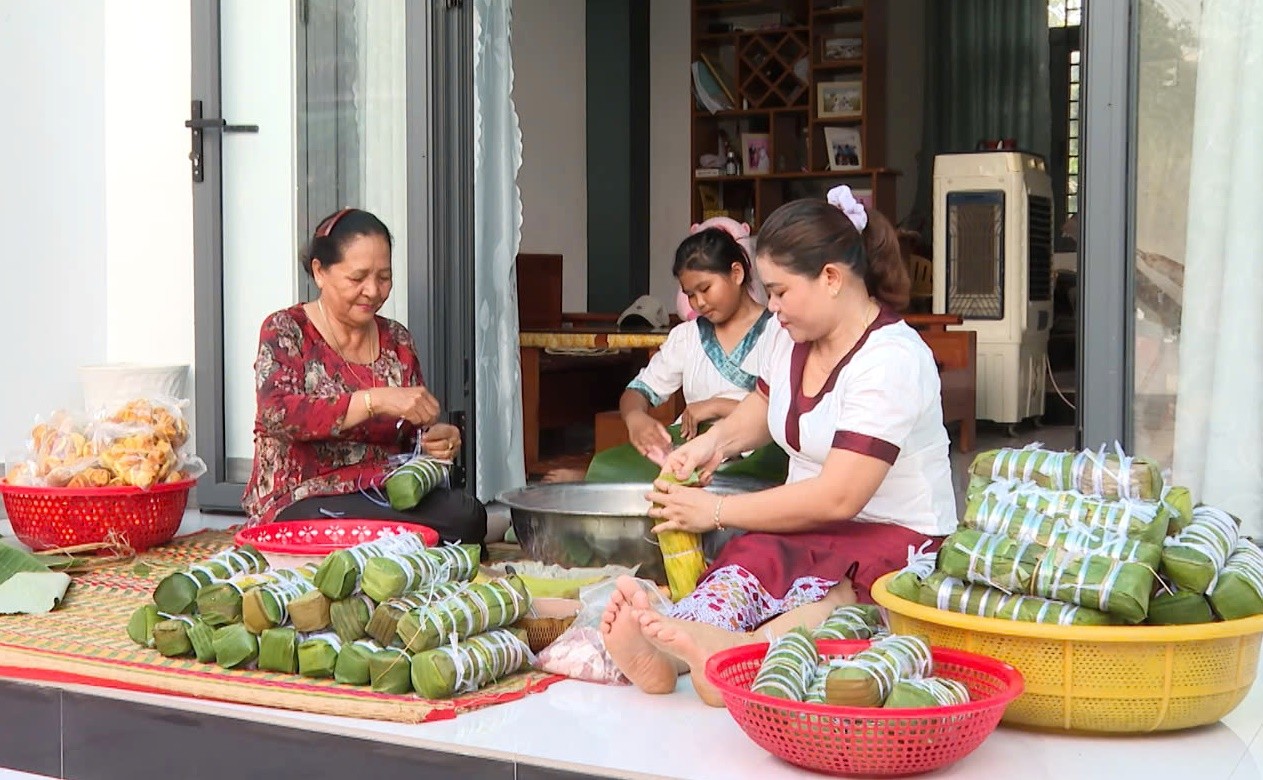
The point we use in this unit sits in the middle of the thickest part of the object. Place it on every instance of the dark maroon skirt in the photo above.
(861, 552)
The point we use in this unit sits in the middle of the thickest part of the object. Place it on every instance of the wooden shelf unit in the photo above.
(761, 57)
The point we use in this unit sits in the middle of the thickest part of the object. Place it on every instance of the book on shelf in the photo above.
(707, 90)
(707, 173)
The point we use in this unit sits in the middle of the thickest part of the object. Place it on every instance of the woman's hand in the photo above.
(441, 441)
(682, 508)
(700, 455)
(417, 405)
(648, 436)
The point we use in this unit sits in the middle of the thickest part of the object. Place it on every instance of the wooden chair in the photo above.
(956, 353)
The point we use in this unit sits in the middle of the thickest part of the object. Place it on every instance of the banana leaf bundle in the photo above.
(470, 664)
(927, 692)
(383, 626)
(388, 576)
(318, 655)
(1034, 609)
(478, 608)
(268, 606)
(1193, 558)
(219, 603)
(202, 637)
(991, 514)
(278, 650)
(339, 573)
(171, 636)
(867, 678)
(351, 667)
(907, 583)
(1179, 608)
(176, 594)
(390, 671)
(853, 621)
(309, 613)
(817, 691)
(413, 481)
(682, 555)
(1179, 505)
(1145, 521)
(788, 667)
(350, 615)
(953, 595)
(1109, 475)
(1238, 592)
(141, 624)
(1120, 588)
(234, 646)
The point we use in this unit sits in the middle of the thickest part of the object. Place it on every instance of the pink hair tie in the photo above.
(843, 199)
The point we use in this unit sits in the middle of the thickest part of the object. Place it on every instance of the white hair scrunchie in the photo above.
(844, 200)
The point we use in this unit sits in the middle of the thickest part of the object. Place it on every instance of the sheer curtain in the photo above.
(1219, 407)
(497, 232)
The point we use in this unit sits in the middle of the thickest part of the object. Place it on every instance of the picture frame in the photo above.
(844, 148)
(756, 153)
(841, 48)
(839, 100)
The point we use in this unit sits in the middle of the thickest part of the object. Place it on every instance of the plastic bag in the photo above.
(579, 653)
(143, 443)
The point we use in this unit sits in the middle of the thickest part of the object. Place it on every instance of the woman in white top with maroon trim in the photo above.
(851, 392)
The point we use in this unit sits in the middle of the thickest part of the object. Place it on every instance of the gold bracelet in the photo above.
(368, 403)
(718, 505)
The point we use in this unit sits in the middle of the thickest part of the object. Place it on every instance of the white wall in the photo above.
(98, 227)
(669, 147)
(550, 73)
(53, 294)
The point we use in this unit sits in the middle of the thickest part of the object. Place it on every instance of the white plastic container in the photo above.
(110, 386)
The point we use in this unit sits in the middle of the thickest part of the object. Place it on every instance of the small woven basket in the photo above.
(549, 619)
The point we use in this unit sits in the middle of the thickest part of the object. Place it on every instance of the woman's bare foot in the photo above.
(649, 669)
(693, 643)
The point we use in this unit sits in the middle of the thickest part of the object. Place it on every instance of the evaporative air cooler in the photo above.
(992, 266)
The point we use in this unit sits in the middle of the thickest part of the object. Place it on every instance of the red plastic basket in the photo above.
(866, 740)
(321, 537)
(45, 517)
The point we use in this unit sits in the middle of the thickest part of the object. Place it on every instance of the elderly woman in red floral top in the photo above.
(340, 391)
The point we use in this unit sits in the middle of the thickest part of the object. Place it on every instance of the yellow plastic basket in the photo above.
(1102, 679)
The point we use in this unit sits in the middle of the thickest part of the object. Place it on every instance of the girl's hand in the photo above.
(682, 508)
(698, 455)
(694, 415)
(649, 437)
(441, 441)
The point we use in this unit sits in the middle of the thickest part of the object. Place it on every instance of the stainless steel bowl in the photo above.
(597, 524)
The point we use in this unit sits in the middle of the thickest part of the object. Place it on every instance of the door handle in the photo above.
(197, 125)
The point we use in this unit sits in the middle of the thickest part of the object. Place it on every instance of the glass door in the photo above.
(300, 108)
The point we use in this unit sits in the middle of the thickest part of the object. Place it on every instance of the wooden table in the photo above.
(533, 344)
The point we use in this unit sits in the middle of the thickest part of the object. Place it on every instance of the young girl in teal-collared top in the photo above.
(714, 358)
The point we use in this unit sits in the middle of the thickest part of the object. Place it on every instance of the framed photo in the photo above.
(834, 49)
(839, 99)
(842, 144)
(756, 155)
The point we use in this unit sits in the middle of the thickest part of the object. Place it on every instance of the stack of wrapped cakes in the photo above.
(1086, 538)
(390, 614)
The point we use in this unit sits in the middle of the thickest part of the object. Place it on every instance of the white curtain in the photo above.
(1219, 411)
(497, 233)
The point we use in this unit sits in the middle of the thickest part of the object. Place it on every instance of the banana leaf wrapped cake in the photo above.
(478, 608)
(351, 668)
(1193, 558)
(220, 603)
(867, 678)
(1120, 588)
(853, 621)
(413, 481)
(268, 606)
(788, 667)
(397, 574)
(1145, 521)
(927, 692)
(682, 556)
(1109, 475)
(339, 574)
(278, 650)
(177, 593)
(1172, 607)
(953, 595)
(907, 583)
(390, 671)
(1238, 592)
(383, 625)
(469, 664)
